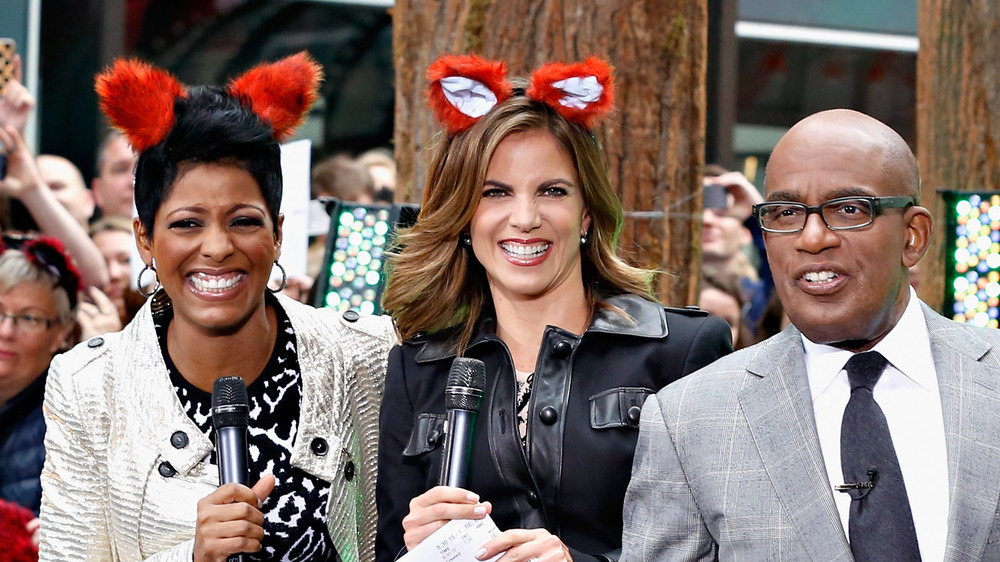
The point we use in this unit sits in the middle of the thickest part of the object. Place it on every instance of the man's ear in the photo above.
(919, 229)
(95, 189)
(142, 241)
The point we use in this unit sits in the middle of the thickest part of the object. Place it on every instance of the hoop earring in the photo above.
(138, 281)
(284, 279)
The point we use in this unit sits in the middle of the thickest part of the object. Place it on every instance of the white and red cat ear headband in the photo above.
(463, 88)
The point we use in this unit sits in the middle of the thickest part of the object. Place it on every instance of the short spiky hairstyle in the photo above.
(210, 126)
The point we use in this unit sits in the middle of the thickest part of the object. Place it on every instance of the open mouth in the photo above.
(819, 276)
(215, 283)
(525, 251)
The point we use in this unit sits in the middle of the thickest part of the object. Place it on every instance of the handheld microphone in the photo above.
(462, 397)
(230, 417)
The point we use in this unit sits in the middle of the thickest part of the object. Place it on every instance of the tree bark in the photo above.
(958, 114)
(654, 142)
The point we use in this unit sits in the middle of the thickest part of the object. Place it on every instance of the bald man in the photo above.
(66, 183)
(756, 456)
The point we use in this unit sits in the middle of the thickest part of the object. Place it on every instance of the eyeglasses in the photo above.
(842, 213)
(27, 323)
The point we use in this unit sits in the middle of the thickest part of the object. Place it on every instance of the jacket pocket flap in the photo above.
(427, 433)
(617, 407)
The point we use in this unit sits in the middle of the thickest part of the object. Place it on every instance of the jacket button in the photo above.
(548, 415)
(349, 471)
(633, 414)
(563, 349)
(533, 498)
(351, 315)
(179, 440)
(166, 470)
(95, 342)
(319, 446)
(433, 437)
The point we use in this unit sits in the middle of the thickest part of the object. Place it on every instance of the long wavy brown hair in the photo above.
(436, 284)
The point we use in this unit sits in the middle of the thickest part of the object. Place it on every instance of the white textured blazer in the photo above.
(118, 484)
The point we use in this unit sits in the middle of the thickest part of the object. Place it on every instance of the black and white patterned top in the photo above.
(295, 512)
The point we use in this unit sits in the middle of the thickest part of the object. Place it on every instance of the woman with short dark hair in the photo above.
(131, 472)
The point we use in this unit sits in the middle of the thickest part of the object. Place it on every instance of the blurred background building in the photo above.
(771, 63)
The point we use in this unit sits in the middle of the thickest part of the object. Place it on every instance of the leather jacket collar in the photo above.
(645, 319)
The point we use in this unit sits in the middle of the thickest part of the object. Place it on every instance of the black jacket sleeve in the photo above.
(398, 481)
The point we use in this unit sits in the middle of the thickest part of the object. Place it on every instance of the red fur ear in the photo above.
(280, 92)
(581, 92)
(138, 98)
(485, 85)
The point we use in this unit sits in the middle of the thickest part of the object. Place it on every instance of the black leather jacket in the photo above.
(583, 421)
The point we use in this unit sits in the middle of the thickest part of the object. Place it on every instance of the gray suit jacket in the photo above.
(728, 464)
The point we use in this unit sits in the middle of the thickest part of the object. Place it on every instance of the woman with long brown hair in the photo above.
(513, 262)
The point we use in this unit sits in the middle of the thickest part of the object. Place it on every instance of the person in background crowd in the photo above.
(513, 261)
(382, 167)
(38, 296)
(130, 472)
(66, 183)
(342, 177)
(730, 236)
(114, 238)
(866, 430)
(40, 211)
(721, 296)
(23, 183)
(106, 311)
(112, 184)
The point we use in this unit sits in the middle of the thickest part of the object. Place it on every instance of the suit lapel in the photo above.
(970, 403)
(779, 413)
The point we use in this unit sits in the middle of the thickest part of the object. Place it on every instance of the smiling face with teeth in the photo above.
(527, 225)
(846, 288)
(214, 244)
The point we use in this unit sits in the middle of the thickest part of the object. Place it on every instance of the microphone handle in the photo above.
(231, 453)
(231, 446)
(458, 448)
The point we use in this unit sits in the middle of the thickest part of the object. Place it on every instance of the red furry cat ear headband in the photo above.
(138, 98)
(463, 88)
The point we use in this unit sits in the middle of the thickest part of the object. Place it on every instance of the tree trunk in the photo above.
(654, 142)
(958, 114)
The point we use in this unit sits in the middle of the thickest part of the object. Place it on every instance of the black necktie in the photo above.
(881, 525)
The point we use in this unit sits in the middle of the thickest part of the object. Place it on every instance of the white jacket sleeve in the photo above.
(74, 523)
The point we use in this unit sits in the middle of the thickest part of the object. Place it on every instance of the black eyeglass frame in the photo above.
(878, 206)
(21, 321)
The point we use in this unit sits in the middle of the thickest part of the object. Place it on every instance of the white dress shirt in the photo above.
(909, 396)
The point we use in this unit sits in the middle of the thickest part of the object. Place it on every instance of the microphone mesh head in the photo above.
(230, 403)
(466, 382)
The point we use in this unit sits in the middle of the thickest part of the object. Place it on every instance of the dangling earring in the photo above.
(583, 239)
(284, 279)
(138, 281)
(465, 239)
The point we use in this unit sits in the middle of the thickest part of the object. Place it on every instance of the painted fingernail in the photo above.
(480, 510)
(472, 496)
(481, 553)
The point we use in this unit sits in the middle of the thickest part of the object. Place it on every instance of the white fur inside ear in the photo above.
(471, 97)
(580, 91)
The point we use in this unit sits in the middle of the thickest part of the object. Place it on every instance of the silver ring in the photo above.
(533, 559)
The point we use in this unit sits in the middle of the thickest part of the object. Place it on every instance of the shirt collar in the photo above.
(906, 346)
